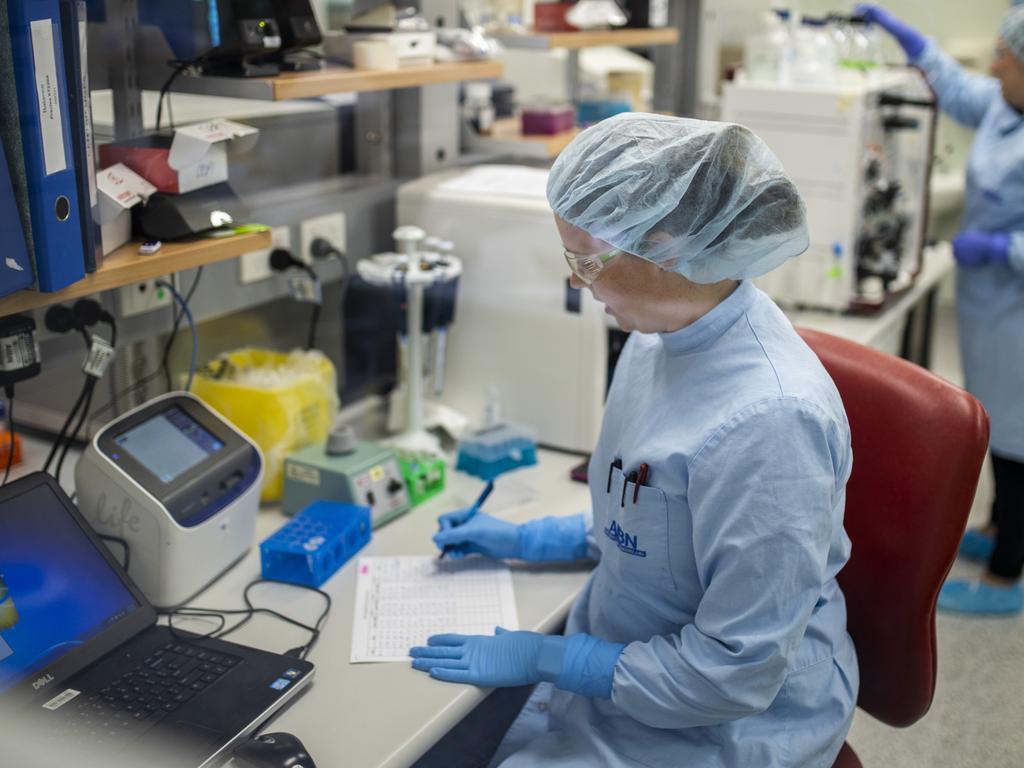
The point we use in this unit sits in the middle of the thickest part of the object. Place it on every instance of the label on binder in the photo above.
(90, 142)
(51, 122)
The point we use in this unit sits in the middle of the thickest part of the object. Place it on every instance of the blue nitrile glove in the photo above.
(911, 41)
(481, 534)
(972, 248)
(547, 539)
(578, 663)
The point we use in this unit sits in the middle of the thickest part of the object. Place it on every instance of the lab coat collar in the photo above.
(710, 327)
(1008, 120)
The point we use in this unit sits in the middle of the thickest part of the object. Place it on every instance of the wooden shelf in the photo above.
(627, 38)
(126, 266)
(330, 79)
(507, 137)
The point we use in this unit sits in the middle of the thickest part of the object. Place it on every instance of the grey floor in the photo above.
(977, 718)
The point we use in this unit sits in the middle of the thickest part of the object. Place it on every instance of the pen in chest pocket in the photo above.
(641, 479)
(638, 477)
(616, 464)
(626, 480)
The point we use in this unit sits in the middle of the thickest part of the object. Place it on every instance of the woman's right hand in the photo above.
(465, 533)
(911, 41)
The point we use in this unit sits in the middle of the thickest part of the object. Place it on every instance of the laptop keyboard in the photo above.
(146, 694)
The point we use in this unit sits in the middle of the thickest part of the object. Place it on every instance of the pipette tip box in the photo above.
(314, 544)
(493, 450)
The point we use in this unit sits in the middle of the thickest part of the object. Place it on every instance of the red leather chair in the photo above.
(918, 446)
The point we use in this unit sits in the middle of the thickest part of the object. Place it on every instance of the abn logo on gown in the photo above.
(623, 540)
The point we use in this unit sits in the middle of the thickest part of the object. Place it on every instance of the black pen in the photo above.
(616, 464)
(630, 478)
(472, 511)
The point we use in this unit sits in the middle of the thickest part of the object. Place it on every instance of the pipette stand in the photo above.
(417, 270)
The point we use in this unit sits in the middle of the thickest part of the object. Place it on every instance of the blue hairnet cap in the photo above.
(1011, 29)
(707, 200)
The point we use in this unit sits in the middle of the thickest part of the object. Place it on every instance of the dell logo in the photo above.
(42, 682)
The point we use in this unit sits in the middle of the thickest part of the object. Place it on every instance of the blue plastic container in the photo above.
(492, 451)
(315, 543)
(593, 111)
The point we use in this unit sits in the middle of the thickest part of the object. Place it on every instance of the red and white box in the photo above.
(196, 156)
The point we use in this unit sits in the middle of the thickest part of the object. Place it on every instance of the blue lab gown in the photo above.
(990, 298)
(721, 578)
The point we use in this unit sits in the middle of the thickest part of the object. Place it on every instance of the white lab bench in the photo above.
(387, 715)
(904, 326)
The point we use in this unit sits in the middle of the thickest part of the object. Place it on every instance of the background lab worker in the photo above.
(989, 288)
(712, 631)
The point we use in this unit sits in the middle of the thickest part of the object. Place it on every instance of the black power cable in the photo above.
(282, 260)
(64, 428)
(90, 387)
(179, 67)
(250, 611)
(164, 367)
(60, 319)
(179, 315)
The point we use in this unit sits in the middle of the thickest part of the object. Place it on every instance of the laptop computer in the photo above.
(88, 677)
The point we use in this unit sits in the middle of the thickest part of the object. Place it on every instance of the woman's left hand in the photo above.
(502, 660)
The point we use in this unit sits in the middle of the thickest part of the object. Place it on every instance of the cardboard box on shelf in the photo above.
(195, 156)
(120, 189)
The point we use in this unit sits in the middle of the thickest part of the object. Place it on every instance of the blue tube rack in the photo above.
(313, 545)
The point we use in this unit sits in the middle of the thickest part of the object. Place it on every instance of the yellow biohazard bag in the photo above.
(282, 401)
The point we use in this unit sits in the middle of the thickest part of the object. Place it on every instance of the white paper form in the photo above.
(401, 601)
(500, 180)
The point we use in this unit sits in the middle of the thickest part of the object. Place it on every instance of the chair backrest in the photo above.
(918, 446)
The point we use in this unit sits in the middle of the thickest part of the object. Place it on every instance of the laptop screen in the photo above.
(56, 589)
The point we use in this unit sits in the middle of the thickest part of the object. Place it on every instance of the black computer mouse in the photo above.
(273, 750)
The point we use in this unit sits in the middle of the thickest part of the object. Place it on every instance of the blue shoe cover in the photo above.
(977, 597)
(977, 545)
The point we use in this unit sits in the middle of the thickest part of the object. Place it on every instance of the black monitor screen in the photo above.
(56, 589)
(168, 444)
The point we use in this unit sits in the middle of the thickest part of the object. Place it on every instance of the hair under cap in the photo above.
(705, 199)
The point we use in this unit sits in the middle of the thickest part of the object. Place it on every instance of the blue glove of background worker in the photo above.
(972, 248)
(578, 663)
(911, 41)
(547, 539)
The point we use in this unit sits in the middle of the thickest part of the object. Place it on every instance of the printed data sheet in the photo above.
(401, 601)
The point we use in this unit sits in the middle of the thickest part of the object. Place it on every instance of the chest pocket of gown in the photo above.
(633, 537)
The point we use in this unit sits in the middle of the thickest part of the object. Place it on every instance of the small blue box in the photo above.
(491, 451)
(315, 543)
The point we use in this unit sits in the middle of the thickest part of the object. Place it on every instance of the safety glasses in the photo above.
(587, 266)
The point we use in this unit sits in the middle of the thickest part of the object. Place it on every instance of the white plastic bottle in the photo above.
(839, 32)
(815, 61)
(864, 53)
(768, 54)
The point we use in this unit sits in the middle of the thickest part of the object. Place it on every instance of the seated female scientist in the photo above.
(712, 631)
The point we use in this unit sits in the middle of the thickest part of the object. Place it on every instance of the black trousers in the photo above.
(1007, 559)
(473, 741)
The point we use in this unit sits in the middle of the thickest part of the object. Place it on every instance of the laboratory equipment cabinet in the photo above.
(860, 154)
